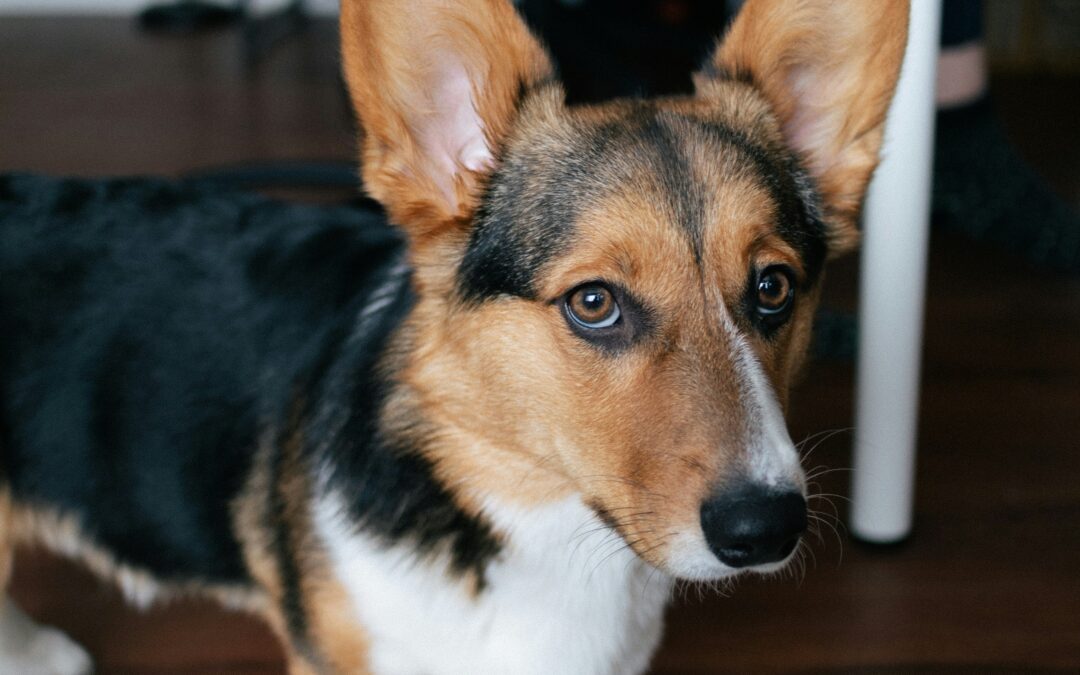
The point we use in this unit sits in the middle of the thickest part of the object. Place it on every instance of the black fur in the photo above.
(152, 333)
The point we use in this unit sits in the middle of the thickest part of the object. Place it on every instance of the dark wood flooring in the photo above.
(988, 582)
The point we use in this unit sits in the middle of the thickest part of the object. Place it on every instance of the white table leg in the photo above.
(892, 285)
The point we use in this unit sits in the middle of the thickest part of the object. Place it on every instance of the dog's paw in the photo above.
(49, 652)
(31, 649)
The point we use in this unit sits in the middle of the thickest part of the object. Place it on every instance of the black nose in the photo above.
(753, 525)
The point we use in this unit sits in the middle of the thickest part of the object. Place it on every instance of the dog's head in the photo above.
(614, 299)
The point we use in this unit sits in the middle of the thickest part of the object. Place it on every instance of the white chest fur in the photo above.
(564, 596)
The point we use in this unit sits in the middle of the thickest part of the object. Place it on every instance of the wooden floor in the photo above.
(990, 580)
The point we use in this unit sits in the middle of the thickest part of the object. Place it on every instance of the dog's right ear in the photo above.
(436, 85)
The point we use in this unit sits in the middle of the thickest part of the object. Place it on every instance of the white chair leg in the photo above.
(892, 286)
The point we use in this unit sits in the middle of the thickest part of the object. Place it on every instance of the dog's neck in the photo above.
(563, 595)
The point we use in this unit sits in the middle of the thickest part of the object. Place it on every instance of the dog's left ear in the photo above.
(436, 86)
(828, 69)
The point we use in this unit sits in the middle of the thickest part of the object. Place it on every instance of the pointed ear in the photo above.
(435, 85)
(828, 69)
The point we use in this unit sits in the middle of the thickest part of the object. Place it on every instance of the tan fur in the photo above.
(62, 534)
(250, 518)
(297, 666)
(7, 542)
(334, 629)
(336, 642)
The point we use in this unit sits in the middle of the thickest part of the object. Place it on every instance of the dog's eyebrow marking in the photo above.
(799, 221)
(528, 210)
(685, 193)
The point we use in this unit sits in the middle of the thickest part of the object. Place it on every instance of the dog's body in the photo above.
(488, 445)
(100, 455)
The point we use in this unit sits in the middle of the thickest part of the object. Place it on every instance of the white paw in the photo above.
(49, 652)
(27, 648)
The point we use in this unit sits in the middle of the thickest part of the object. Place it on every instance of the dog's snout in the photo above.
(753, 525)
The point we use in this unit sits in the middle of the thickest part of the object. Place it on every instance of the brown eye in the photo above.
(774, 291)
(593, 306)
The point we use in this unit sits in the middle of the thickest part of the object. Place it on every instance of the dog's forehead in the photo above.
(670, 180)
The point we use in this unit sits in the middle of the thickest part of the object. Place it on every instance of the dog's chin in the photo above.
(690, 559)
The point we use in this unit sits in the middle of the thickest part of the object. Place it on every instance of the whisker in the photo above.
(820, 471)
(828, 522)
(819, 438)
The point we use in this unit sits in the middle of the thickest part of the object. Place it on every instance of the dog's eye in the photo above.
(593, 306)
(775, 292)
(606, 316)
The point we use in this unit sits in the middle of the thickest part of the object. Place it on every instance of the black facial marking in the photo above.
(799, 214)
(686, 195)
(526, 216)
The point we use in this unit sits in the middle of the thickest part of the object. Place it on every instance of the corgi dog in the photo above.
(488, 436)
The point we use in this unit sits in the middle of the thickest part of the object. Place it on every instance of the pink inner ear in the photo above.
(451, 133)
(814, 125)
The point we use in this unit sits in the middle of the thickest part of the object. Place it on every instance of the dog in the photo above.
(487, 439)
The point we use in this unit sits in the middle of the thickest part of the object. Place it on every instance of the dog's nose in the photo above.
(753, 525)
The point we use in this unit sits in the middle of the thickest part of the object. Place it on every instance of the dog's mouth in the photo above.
(691, 559)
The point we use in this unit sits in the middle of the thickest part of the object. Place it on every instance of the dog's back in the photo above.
(134, 313)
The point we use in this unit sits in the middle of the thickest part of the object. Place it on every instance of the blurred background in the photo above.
(249, 94)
